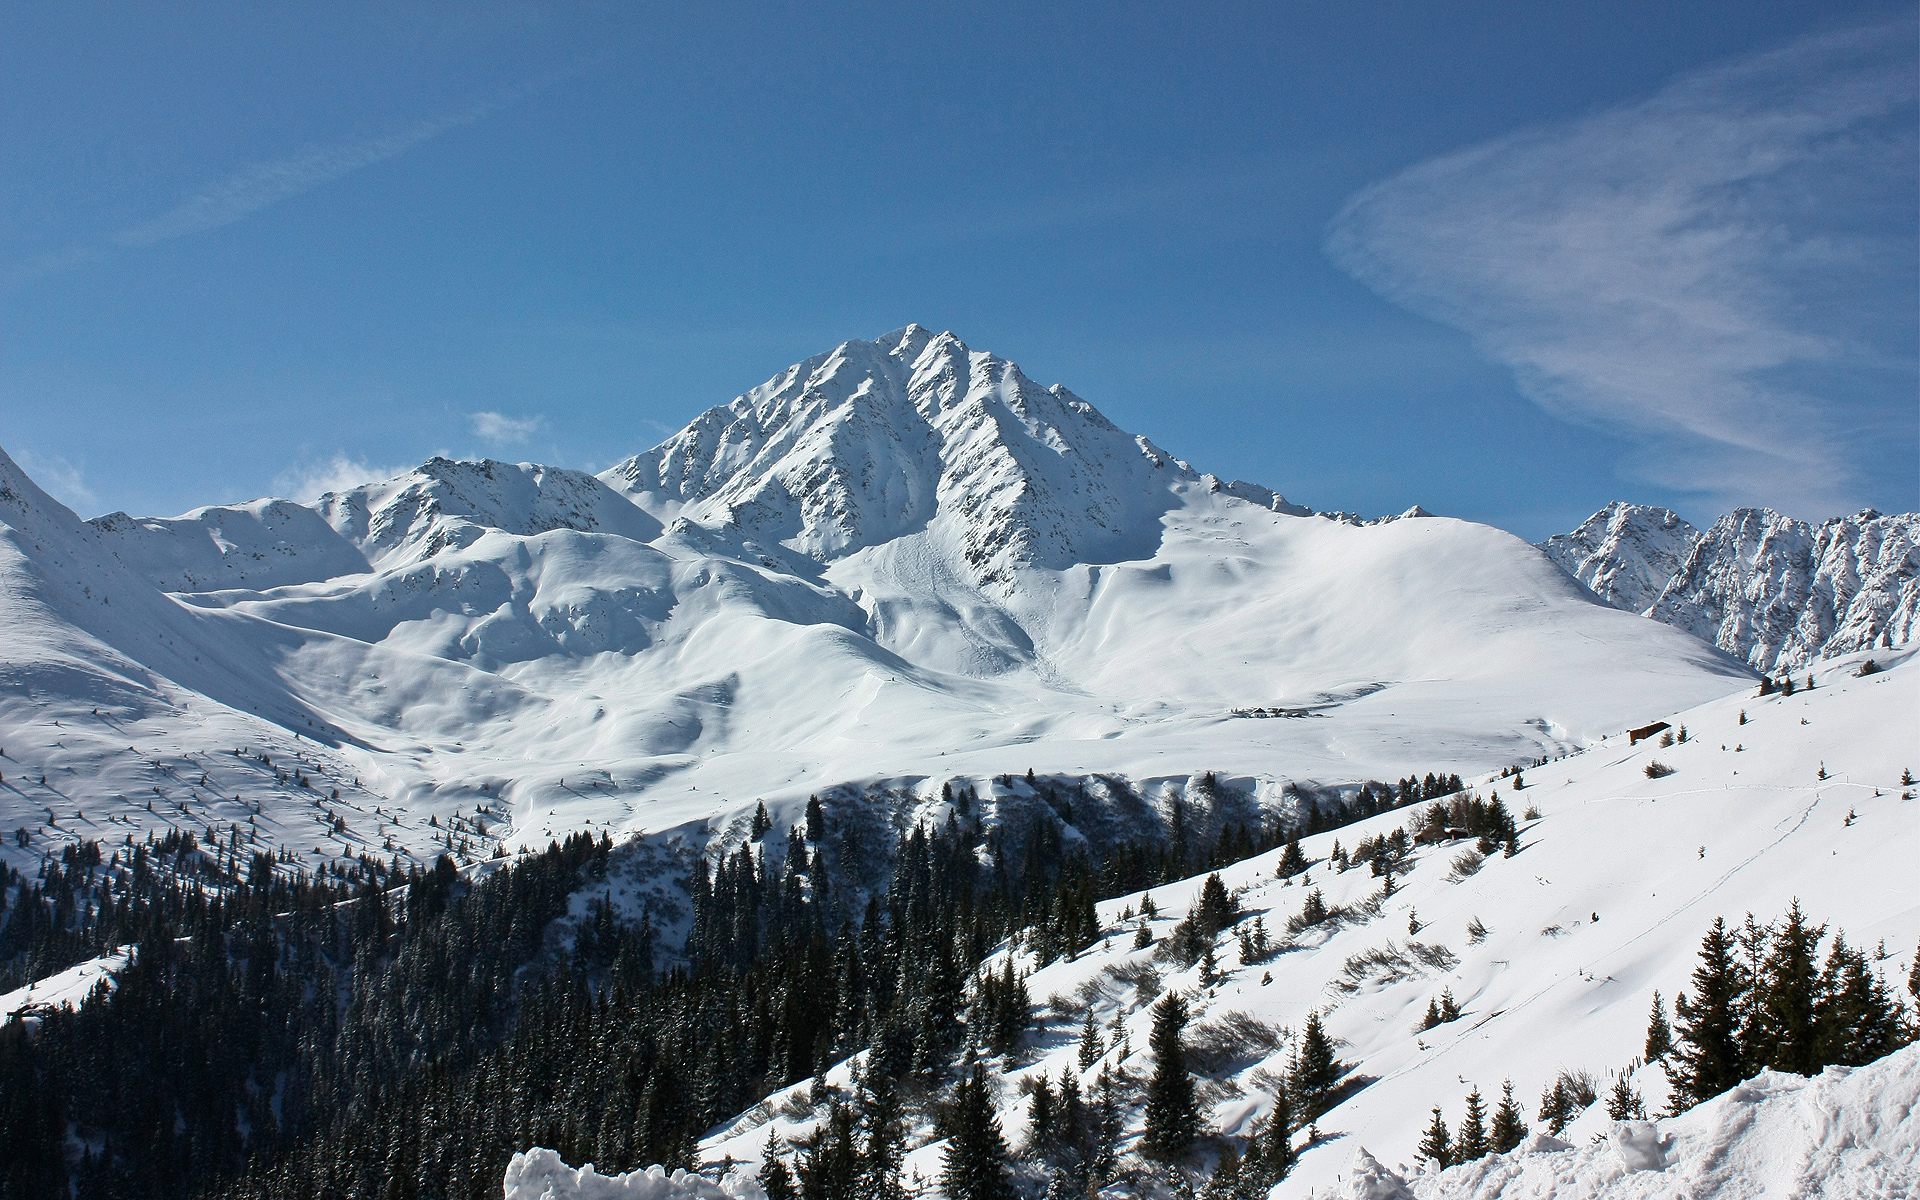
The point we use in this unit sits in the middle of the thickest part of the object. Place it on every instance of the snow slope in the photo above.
(895, 564)
(1846, 1134)
(1772, 591)
(1616, 882)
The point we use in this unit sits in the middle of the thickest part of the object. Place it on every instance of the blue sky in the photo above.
(1506, 261)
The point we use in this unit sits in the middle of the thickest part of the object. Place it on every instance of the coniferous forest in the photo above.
(373, 1032)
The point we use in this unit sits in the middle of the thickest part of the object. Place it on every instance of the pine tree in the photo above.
(1623, 1103)
(1040, 1114)
(1508, 1129)
(1142, 936)
(816, 819)
(1173, 1111)
(1314, 1071)
(1659, 1033)
(1789, 987)
(1209, 968)
(974, 1165)
(1433, 1014)
(1315, 910)
(1857, 1018)
(1270, 1153)
(1705, 1059)
(1292, 859)
(1556, 1106)
(1437, 1146)
(1449, 1009)
(1090, 1047)
(1472, 1142)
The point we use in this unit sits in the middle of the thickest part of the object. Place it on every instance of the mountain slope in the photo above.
(1614, 884)
(891, 565)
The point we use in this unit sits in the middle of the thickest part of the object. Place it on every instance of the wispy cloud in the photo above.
(260, 184)
(1723, 274)
(60, 479)
(310, 479)
(504, 430)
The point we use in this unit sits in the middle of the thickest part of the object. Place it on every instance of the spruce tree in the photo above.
(1090, 1047)
(1173, 1111)
(1270, 1151)
(1789, 987)
(1556, 1106)
(1508, 1129)
(974, 1164)
(1437, 1146)
(1472, 1142)
(1623, 1103)
(1705, 1059)
(1314, 1071)
(1659, 1033)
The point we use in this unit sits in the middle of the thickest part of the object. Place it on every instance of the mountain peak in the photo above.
(911, 433)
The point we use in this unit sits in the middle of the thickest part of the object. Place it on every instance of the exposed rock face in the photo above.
(1626, 553)
(1768, 589)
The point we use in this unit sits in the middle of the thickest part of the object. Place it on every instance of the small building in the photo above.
(1636, 736)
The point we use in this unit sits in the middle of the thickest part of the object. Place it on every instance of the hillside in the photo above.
(1614, 884)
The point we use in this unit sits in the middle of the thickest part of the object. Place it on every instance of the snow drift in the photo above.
(1846, 1134)
(540, 1175)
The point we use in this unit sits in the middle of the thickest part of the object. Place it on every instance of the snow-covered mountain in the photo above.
(891, 565)
(1553, 955)
(1627, 553)
(1770, 590)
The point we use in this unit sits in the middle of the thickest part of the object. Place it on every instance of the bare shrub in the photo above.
(1658, 770)
(1465, 864)
(1235, 1036)
(1144, 980)
(1390, 964)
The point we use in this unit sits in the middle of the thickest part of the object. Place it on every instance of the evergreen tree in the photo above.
(1705, 1059)
(774, 1176)
(1508, 1129)
(1624, 1103)
(1856, 1016)
(816, 820)
(1472, 1142)
(1270, 1154)
(1142, 936)
(1788, 989)
(1449, 1009)
(1433, 1014)
(1292, 859)
(1173, 1111)
(1556, 1106)
(974, 1164)
(1659, 1033)
(1437, 1146)
(1090, 1047)
(1313, 1072)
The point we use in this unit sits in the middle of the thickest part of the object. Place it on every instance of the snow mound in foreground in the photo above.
(1845, 1134)
(539, 1174)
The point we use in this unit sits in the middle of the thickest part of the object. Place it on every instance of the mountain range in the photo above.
(1773, 591)
(893, 564)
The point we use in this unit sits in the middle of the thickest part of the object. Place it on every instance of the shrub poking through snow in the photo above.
(1658, 770)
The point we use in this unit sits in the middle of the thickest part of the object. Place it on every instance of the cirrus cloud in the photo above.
(1723, 274)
